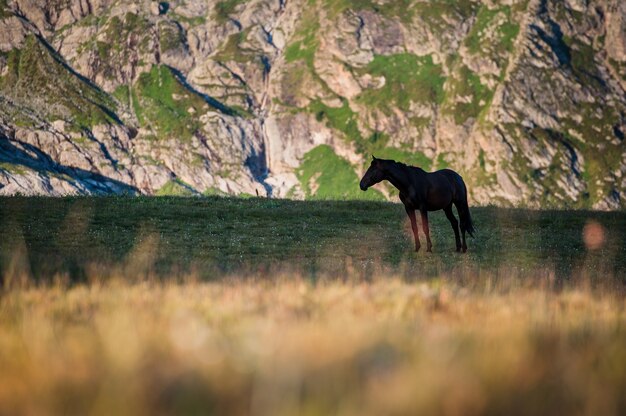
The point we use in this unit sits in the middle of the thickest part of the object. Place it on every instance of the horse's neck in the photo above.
(397, 175)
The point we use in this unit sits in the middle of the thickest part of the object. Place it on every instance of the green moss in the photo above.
(191, 21)
(170, 37)
(408, 78)
(442, 163)
(440, 15)
(122, 94)
(224, 9)
(467, 84)
(163, 104)
(413, 157)
(600, 154)
(4, 9)
(118, 41)
(400, 9)
(481, 159)
(305, 40)
(175, 187)
(339, 118)
(505, 33)
(324, 175)
(597, 165)
(619, 67)
(118, 30)
(12, 168)
(582, 61)
(233, 51)
(215, 192)
(38, 78)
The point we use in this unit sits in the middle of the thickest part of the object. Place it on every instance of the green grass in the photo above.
(217, 236)
(170, 36)
(408, 78)
(582, 61)
(122, 95)
(467, 83)
(441, 161)
(162, 103)
(233, 51)
(441, 14)
(191, 21)
(339, 118)
(12, 168)
(506, 33)
(4, 9)
(113, 45)
(224, 9)
(189, 306)
(413, 157)
(344, 120)
(175, 187)
(305, 41)
(325, 175)
(399, 9)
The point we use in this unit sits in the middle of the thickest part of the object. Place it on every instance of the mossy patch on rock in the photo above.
(408, 78)
(325, 175)
(165, 106)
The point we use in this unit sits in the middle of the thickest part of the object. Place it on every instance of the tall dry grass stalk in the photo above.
(458, 345)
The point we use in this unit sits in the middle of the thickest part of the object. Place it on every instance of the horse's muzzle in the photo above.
(363, 187)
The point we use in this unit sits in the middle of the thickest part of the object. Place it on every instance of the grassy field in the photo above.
(231, 306)
(47, 239)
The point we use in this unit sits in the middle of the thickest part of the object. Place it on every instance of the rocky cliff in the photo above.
(288, 98)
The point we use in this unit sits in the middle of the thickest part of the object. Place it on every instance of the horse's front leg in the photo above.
(429, 245)
(411, 213)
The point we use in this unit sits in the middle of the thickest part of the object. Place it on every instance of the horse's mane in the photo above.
(404, 165)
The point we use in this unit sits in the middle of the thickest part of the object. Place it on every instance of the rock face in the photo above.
(288, 98)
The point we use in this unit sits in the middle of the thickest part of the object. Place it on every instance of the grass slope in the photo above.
(325, 175)
(163, 104)
(37, 78)
(219, 236)
(408, 78)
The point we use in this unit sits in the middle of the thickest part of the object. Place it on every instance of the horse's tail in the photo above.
(464, 212)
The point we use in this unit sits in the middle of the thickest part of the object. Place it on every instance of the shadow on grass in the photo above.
(212, 238)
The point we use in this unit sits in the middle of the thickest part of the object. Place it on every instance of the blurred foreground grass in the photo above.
(289, 346)
(146, 306)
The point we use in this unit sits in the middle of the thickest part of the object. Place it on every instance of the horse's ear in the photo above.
(374, 158)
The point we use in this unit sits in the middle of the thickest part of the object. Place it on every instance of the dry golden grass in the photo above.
(114, 306)
(289, 346)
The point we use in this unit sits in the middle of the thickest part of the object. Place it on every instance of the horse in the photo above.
(425, 191)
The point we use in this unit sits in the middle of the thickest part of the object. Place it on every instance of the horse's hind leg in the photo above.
(464, 247)
(463, 218)
(426, 230)
(455, 226)
(411, 213)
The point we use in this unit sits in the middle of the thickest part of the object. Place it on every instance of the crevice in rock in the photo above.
(233, 74)
(269, 38)
(237, 23)
(209, 100)
(103, 149)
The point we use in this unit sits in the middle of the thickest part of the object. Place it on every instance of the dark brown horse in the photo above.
(424, 191)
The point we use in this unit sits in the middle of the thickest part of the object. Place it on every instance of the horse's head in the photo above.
(373, 175)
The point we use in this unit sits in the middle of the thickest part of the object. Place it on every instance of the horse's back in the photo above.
(454, 180)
